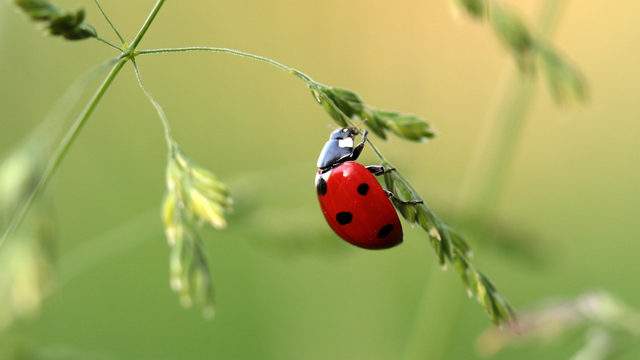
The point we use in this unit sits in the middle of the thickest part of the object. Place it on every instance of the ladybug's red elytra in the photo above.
(354, 204)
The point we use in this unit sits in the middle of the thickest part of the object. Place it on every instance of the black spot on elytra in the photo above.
(344, 217)
(385, 231)
(321, 187)
(363, 189)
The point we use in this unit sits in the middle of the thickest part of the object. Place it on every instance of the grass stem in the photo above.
(301, 75)
(145, 27)
(109, 43)
(161, 113)
(306, 78)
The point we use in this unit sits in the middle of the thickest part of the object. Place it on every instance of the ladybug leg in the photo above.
(378, 170)
(409, 202)
(355, 153)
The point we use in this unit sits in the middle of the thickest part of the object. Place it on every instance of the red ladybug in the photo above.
(354, 204)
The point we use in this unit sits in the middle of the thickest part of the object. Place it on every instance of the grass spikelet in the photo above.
(450, 248)
(345, 105)
(69, 25)
(193, 196)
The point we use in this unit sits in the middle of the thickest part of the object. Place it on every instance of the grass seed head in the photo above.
(194, 196)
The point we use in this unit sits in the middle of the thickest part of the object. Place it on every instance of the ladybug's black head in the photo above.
(344, 133)
(339, 148)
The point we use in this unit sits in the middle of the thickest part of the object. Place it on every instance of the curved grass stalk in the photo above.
(161, 113)
(311, 83)
(306, 78)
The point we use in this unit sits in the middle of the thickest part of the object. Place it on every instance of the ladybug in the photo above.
(354, 204)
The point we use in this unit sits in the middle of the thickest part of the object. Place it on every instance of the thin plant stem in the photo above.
(301, 75)
(161, 113)
(62, 150)
(109, 43)
(106, 17)
(306, 78)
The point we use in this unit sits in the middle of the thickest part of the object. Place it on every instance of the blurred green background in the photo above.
(287, 287)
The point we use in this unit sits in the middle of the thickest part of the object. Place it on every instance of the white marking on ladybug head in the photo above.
(346, 143)
(325, 176)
